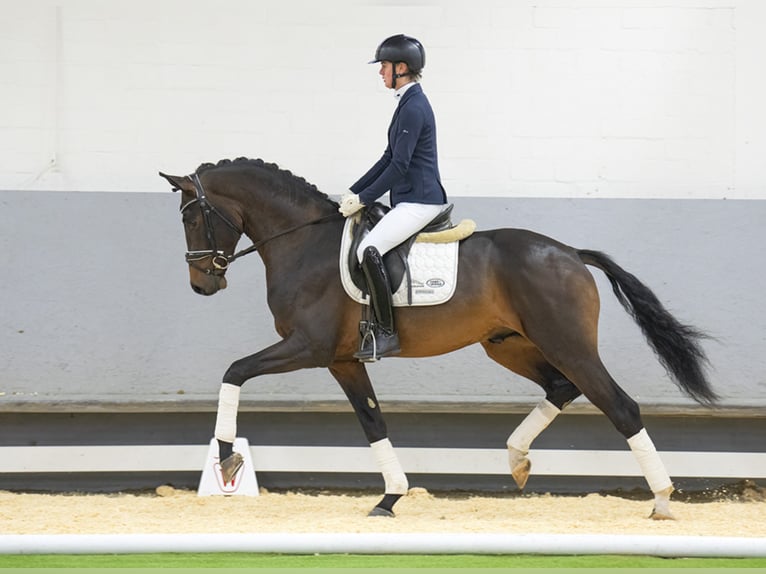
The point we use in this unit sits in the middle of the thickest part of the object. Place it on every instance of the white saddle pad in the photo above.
(433, 272)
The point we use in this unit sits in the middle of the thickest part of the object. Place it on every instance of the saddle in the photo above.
(396, 259)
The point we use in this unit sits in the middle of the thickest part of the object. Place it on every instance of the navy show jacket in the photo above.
(409, 167)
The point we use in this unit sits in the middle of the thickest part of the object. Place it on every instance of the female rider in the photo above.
(409, 169)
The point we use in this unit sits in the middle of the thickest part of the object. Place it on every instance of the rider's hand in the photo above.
(350, 204)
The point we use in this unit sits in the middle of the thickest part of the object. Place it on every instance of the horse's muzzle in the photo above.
(207, 284)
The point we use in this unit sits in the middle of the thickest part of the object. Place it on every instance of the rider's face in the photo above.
(387, 73)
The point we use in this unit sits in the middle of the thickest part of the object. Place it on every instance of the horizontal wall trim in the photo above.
(301, 459)
(755, 409)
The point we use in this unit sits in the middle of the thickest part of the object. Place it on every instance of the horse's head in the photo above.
(212, 229)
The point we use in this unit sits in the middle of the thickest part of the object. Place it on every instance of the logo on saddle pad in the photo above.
(427, 277)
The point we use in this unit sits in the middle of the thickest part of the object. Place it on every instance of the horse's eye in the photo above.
(189, 220)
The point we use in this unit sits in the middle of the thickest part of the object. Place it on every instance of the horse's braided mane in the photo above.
(285, 174)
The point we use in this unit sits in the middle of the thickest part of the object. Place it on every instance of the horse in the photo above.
(530, 301)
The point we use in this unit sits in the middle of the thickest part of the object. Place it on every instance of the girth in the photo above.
(396, 259)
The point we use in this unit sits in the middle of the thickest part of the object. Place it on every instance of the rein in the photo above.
(259, 244)
(219, 259)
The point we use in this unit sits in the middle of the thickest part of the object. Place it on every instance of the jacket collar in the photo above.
(406, 92)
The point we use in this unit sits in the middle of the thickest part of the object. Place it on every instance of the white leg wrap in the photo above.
(226, 420)
(535, 423)
(396, 480)
(649, 461)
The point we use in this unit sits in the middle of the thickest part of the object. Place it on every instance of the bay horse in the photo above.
(527, 299)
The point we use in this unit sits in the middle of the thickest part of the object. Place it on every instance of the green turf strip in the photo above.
(334, 561)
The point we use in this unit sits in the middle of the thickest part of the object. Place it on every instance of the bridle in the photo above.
(218, 258)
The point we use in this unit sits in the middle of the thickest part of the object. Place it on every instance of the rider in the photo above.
(409, 168)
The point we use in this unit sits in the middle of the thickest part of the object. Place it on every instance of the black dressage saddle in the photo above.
(396, 259)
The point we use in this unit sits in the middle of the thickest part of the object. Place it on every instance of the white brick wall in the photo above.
(618, 98)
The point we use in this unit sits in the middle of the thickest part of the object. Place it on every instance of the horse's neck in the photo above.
(278, 227)
(273, 209)
(315, 246)
(261, 223)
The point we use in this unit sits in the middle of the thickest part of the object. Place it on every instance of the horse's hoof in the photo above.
(230, 467)
(659, 515)
(520, 473)
(378, 511)
(661, 510)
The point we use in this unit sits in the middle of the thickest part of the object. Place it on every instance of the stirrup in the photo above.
(368, 349)
(363, 354)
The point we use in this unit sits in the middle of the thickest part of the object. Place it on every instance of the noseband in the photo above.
(218, 258)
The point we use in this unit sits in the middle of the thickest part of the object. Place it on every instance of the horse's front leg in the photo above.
(287, 355)
(226, 431)
(353, 379)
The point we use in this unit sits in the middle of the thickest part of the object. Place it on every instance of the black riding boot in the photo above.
(381, 339)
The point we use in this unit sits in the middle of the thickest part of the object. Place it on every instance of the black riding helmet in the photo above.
(402, 48)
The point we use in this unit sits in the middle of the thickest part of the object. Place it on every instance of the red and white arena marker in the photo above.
(244, 482)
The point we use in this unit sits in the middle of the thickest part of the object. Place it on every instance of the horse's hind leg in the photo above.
(560, 318)
(353, 379)
(579, 361)
(601, 390)
(598, 386)
(521, 357)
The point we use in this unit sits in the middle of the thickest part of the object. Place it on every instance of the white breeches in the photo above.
(404, 220)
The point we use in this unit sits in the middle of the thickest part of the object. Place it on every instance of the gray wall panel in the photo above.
(97, 313)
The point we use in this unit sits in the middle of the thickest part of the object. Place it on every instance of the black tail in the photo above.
(675, 344)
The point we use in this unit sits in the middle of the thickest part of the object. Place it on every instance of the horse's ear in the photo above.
(178, 182)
